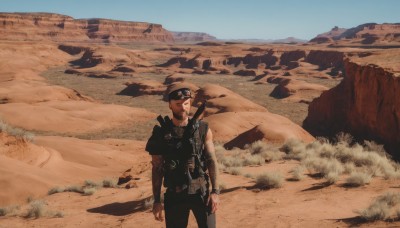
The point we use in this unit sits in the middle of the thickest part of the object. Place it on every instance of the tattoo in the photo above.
(211, 160)
(157, 176)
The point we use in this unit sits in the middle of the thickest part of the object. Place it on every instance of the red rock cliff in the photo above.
(366, 104)
(56, 27)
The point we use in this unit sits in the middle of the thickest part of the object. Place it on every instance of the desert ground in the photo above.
(76, 117)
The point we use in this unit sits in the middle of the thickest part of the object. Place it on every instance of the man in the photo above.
(187, 165)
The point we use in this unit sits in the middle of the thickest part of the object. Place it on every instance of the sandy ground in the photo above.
(30, 169)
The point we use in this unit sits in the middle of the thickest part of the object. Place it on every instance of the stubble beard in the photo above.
(181, 116)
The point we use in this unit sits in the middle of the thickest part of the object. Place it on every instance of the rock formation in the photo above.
(56, 27)
(192, 36)
(366, 104)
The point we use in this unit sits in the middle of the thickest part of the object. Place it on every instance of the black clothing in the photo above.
(186, 190)
(178, 205)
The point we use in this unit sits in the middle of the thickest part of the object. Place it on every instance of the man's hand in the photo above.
(213, 199)
(157, 211)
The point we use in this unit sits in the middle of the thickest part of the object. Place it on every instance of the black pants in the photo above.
(178, 205)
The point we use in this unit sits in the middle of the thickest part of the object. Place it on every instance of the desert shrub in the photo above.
(92, 184)
(298, 173)
(382, 207)
(344, 138)
(110, 183)
(323, 166)
(374, 147)
(235, 171)
(56, 214)
(358, 179)
(249, 175)
(272, 155)
(249, 160)
(10, 210)
(269, 180)
(349, 168)
(89, 191)
(331, 177)
(260, 146)
(74, 188)
(36, 209)
(16, 132)
(55, 190)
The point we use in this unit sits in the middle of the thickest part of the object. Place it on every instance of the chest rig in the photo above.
(184, 166)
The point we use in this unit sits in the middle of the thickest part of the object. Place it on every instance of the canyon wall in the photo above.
(56, 27)
(365, 104)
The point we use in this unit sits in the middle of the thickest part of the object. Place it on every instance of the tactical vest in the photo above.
(184, 162)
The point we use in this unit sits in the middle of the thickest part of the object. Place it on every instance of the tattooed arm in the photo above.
(212, 166)
(156, 179)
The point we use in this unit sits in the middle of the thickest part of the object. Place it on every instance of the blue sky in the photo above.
(227, 19)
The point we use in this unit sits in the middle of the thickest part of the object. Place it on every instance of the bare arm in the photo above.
(211, 160)
(157, 176)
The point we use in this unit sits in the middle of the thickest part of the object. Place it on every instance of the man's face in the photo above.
(180, 108)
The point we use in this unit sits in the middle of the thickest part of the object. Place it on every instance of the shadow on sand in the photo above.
(120, 209)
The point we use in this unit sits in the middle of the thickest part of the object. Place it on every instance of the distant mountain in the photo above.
(192, 36)
(369, 33)
(285, 41)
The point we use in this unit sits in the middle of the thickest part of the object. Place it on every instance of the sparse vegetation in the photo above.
(269, 180)
(16, 132)
(55, 190)
(382, 208)
(331, 160)
(298, 173)
(89, 187)
(36, 209)
(10, 210)
(358, 179)
(110, 183)
(235, 171)
(89, 191)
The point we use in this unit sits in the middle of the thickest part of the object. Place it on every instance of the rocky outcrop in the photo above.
(192, 36)
(370, 33)
(366, 104)
(56, 27)
(290, 56)
(326, 59)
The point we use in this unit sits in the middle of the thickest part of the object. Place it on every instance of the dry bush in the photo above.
(74, 188)
(344, 138)
(249, 175)
(16, 132)
(298, 173)
(260, 146)
(55, 190)
(269, 180)
(10, 210)
(358, 179)
(92, 184)
(250, 160)
(89, 191)
(331, 160)
(382, 208)
(36, 209)
(110, 183)
(235, 171)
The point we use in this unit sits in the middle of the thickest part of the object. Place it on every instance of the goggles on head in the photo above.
(180, 94)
